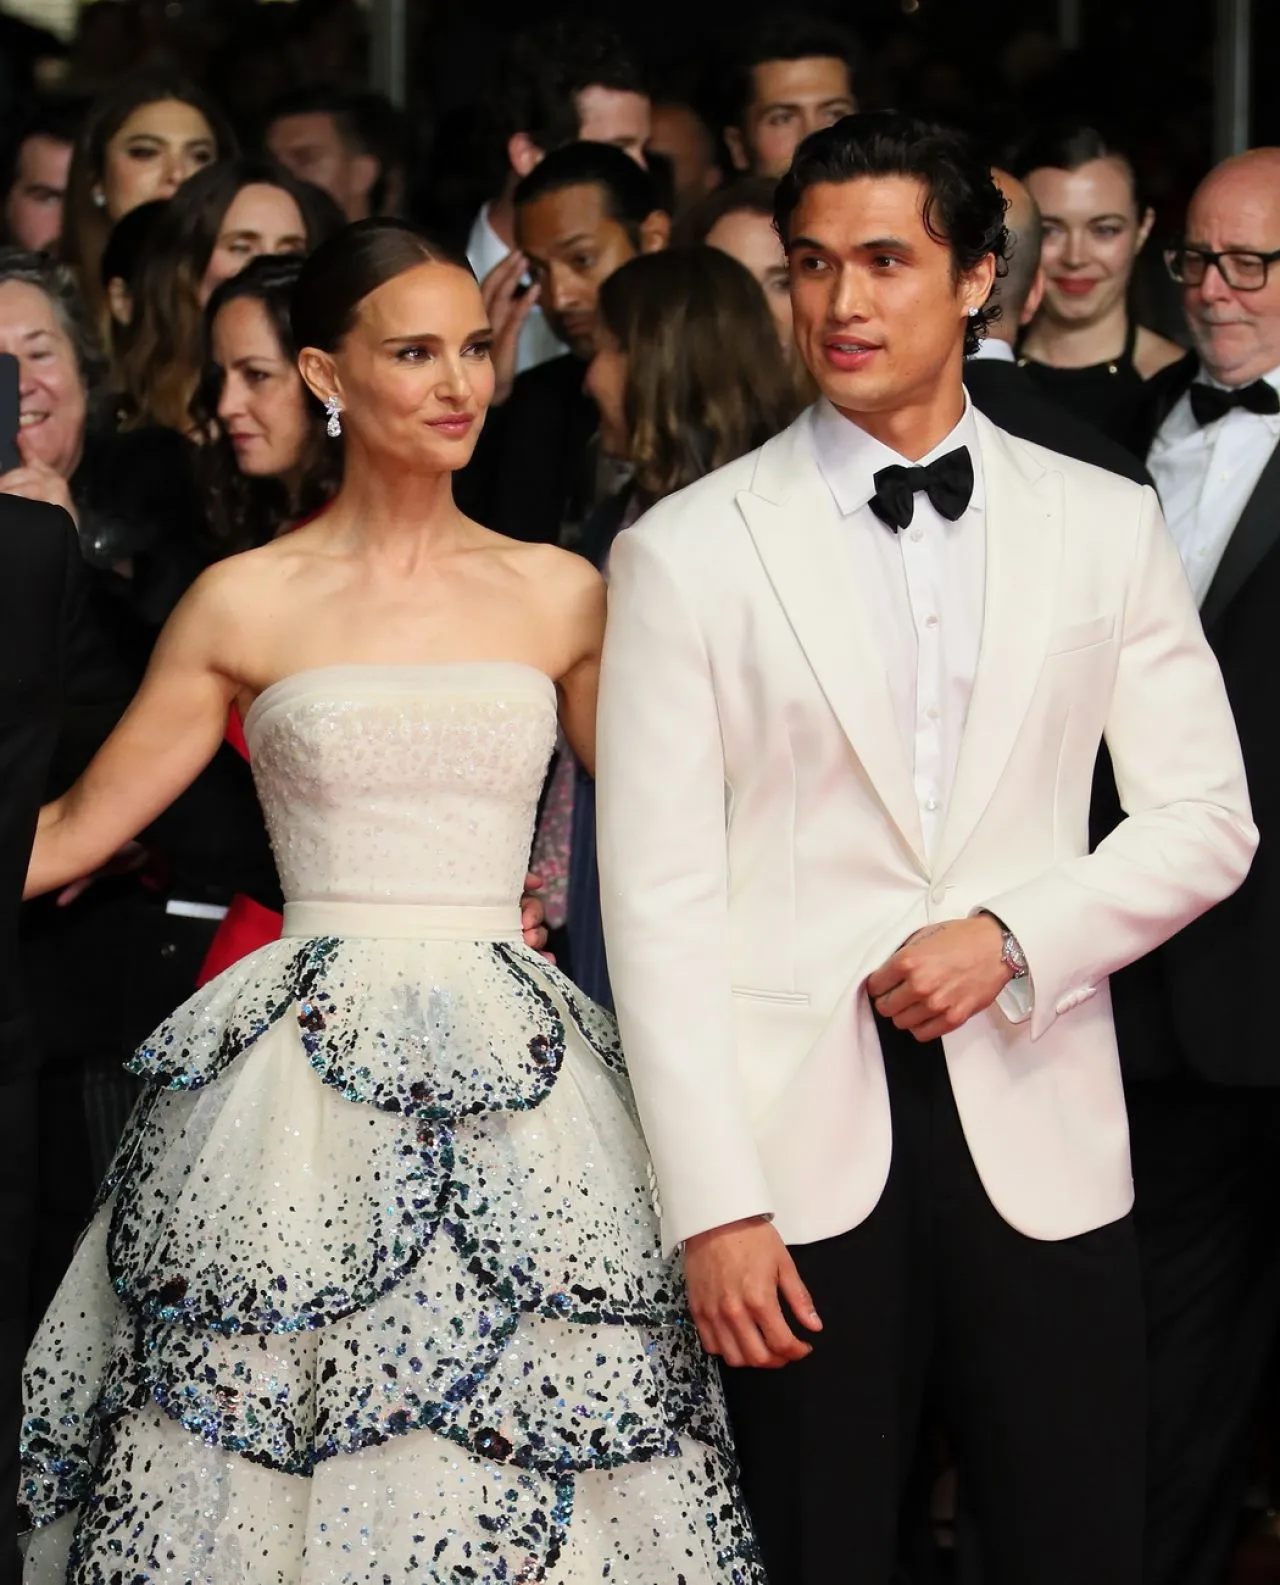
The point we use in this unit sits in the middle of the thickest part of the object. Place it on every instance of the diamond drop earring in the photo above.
(334, 427)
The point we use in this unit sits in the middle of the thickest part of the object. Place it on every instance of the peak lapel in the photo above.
(796, 530)
(1024, 528)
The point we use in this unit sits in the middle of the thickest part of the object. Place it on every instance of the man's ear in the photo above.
(1144, 228)
(737, 147)
(523, 153)
(319, 374)
(1034, 297)
(979, 282)
(655, 232)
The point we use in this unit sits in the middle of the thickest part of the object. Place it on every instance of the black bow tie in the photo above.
(948, 483)
(1208, 403)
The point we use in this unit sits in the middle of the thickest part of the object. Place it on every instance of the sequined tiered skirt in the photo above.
(374, 1294)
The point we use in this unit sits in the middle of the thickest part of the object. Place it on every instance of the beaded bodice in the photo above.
(403, 784)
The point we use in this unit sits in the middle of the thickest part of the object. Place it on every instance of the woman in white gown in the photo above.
(374, 1291)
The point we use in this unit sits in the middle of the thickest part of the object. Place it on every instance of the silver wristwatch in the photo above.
(1011, 952)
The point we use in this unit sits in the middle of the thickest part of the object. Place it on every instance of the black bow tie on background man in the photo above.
(948, 483)
(1209, 403)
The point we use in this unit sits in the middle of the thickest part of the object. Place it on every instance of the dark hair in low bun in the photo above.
(343, 271)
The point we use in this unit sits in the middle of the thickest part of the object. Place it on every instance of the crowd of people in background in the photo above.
(155, 205)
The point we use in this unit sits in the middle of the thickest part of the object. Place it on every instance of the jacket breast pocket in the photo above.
(1080, 635)
(751, 993)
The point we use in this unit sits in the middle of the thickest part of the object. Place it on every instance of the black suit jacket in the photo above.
(55, 668)
(49, 663)
(1011, 399)
(529, 474)
(1199, 1006)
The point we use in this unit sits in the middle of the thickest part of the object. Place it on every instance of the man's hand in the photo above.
(132, 856)
(37, 481)
(734, 1275)
(533, 916)
(941, 977)
(507, 312)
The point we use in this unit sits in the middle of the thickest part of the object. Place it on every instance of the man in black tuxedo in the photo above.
(46, 661)
(1197, 1034)
(1006, 393)
(580, 215)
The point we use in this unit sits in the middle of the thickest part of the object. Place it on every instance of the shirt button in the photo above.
(939, 893)
(930, 805)
(931, 620)
(917, 534)
(934, 713)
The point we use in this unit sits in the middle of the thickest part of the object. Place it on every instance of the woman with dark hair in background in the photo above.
(140, 140)
(738, 219)
(376, 1289)
(118, 270)
(688, 375)
(1084, 347)
(221, 219)
(271, 464)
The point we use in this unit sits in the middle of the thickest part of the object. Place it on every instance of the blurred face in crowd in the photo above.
(259, 219)
(790, 99)
(606, 384)
(155, 150)
(879, 309)
(680, 133)
(33, 205)
(573, 245)
(413, 376)
(751, 239)
(51, 396)
(1092, 234)
(612, 115)
(313, 149)
(1236, 208)
(263, 406)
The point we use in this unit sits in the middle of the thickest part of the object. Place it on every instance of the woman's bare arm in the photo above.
(580, 682)
(163, 741)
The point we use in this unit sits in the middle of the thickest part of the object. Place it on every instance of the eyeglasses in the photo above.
(1242, 271)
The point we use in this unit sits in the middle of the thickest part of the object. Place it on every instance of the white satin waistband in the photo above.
(406, 921)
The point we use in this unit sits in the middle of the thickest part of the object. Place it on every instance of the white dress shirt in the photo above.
(538, 342)
(923, 591)
(992, 350)
(1205, 476)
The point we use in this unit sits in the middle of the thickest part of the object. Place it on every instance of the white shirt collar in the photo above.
(849, 458)
(992, 350)
(485, 248)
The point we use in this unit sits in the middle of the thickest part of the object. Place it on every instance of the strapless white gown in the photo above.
(374, 1292)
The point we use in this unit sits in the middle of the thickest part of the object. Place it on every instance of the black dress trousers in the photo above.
(1034, 1349)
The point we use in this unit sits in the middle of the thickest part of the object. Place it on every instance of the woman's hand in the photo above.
(37, 481)
(132, 856)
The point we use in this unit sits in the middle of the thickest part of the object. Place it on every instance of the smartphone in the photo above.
(10, 456)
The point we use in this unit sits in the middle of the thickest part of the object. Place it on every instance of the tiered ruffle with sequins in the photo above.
(374, 1293)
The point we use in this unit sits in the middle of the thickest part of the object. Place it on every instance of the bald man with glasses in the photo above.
(1198, 1036)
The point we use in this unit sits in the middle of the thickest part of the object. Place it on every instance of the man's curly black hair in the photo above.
(963, 206)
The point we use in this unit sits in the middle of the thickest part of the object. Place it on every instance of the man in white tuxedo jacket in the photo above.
(853, 689)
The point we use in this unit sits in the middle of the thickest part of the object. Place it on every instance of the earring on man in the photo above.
(334, 427)
(973, 313)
